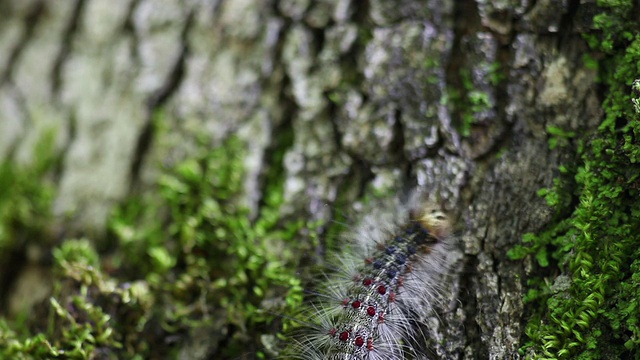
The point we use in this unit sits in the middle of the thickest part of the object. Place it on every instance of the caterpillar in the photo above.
(387, 279)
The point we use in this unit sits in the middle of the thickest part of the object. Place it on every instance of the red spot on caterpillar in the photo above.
(356, 304)
(371, 311)
(381, 317)
(333, 332)
(346, 302)
(382, 290)
(368, 261)
(344, 336)
(356, 277)
(369, 344)
(367, 282)
(359, 341)
(392, 296)
(400, 281)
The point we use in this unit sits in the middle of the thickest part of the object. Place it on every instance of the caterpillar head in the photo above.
(432, 218)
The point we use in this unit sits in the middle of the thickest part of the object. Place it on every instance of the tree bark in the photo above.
(454, 97)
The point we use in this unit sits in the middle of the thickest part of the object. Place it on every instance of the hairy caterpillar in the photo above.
(388, 277)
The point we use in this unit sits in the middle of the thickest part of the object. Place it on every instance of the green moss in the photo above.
(467, 101)
(212, 255)
(75, 326)
(558, 136)
(176, 262)
(78, 251)
(590, 312)
(26, 196)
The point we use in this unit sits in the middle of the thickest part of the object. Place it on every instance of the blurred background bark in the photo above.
(456, 97)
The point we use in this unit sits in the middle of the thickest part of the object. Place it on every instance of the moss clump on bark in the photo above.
(190, 258)
(26, 195)
(590, 310)
(470, 102)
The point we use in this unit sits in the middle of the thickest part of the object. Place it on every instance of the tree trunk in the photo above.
(454, 97)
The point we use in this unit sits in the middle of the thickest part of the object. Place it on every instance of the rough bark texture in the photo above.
(377, 93)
